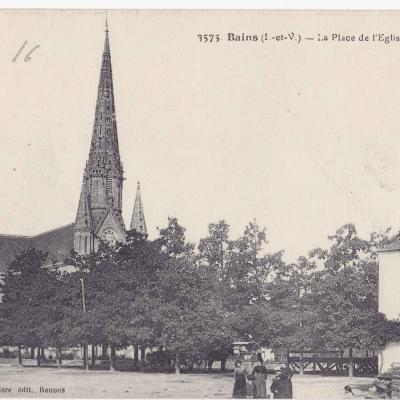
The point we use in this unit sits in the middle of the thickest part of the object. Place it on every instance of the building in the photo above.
(99, 213)
(389, 299)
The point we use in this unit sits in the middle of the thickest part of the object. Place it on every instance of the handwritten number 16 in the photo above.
(28, 56)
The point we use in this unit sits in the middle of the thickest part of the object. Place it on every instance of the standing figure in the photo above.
(260, 385)
(282, 384)
(239, 387)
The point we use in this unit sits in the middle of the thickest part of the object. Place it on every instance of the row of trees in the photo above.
(195, 300)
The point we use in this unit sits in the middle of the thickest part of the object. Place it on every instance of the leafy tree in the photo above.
(196, 302)
(214, 250)
(345, 292)
(29, 313)
(114, 278)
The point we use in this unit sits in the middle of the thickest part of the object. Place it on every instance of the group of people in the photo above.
(255, 385)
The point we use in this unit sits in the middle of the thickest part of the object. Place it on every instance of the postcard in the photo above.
(199, 203)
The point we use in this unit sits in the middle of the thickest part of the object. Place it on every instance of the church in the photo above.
(99, 211)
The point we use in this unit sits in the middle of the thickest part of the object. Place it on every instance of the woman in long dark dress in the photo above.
(282, 384)
(260, 385)
(239, 387)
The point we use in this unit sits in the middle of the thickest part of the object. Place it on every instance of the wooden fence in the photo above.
(332, 362)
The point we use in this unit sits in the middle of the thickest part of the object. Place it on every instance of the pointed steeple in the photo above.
(104, 145)
(104, 166)
(138, 222)
(101, 194)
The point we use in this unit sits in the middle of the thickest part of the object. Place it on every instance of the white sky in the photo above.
(304, 138)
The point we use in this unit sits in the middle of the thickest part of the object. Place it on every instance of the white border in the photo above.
(206, 4)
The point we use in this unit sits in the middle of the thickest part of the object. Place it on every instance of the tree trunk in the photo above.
(350, 362)
(112, 358)
(85, 357)
(93, 355)
(38, 357)
(59, 356)
(19, 356)
(32, 353)
(341, 361)
(136, 356)
(104, 351)
(142, 357)
(177, 364)
(42, 356)
(223, 364)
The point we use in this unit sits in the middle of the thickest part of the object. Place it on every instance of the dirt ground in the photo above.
(70, 383)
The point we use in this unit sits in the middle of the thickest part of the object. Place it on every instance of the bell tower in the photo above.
(99, 212)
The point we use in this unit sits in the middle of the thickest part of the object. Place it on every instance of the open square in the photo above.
(78, 383)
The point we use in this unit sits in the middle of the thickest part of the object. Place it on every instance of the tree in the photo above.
(214, 250)
(115, 279)
(29, 313)
(345, 292)
(172, 240)
(195, 304)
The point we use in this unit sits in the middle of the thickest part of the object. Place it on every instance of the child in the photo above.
(348, 392)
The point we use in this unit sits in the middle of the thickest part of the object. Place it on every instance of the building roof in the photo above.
(10, 245)
(58, 243)
(393, 246)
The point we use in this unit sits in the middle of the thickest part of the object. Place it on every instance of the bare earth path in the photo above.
(97, 384)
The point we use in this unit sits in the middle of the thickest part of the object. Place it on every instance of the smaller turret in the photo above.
(138, 222)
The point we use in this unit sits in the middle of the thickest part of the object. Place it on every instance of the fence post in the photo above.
(302, 362)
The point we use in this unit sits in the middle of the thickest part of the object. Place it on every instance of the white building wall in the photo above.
(389, 302)
(389, 284)
(388, 356)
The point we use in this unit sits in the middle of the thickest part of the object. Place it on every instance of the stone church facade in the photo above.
(99, 212)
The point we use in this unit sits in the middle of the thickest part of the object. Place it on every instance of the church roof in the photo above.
(57, 242)
(10, 245)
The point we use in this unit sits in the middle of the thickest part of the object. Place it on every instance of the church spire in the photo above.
(101, 191)
(138, 222)
(104, 146)
(104, 166)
